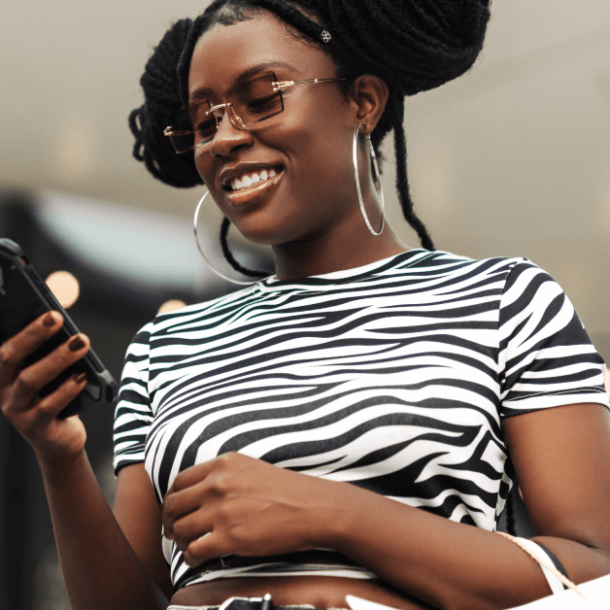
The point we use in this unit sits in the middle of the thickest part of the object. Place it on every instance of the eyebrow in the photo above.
(204, 92)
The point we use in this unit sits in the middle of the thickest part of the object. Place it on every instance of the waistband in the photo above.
(317, 556)
(249, 603)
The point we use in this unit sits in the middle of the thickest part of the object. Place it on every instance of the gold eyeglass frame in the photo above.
(236, 121)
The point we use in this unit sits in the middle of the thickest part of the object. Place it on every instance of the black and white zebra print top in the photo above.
(394, 377)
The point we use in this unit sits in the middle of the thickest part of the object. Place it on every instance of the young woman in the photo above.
(352, 424)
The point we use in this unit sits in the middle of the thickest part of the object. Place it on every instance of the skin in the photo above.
(253, 508)
(312, 218)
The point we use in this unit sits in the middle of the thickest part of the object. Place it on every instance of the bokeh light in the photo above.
(171, 306)
(65, 287)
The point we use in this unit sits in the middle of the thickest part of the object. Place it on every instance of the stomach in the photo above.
(317, 591)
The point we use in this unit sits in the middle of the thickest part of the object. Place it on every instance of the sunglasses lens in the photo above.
(256, 100)
(251, 102)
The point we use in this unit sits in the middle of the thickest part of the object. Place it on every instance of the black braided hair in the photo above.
(511, 524)
(413, 45)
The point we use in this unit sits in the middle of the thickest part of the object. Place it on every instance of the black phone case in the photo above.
(24, 296)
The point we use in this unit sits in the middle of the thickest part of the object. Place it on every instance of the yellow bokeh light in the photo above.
(171, 306)
(65, 287)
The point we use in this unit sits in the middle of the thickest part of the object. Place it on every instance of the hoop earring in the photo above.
(377, 181)
(212, 268)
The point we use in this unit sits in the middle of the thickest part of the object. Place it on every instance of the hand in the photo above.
(238, 505)
(36, 418)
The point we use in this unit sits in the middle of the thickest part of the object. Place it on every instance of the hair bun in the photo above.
(162, 96)
(416, 44)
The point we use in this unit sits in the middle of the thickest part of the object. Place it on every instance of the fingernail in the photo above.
(76, 343)
(81, 377)
(49, 320)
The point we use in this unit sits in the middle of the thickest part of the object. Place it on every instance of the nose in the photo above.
(229, 135)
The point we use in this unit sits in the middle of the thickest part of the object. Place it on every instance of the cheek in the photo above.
(318, 151)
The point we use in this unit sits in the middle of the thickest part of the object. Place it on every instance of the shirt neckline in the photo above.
(344, 276)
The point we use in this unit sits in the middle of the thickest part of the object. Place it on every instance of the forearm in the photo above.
(448, 564)
(100, 569)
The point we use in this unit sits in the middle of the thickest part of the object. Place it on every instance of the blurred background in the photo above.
(511, 159)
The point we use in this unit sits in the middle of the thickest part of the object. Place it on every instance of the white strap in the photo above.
(544, 562)
(554, 582)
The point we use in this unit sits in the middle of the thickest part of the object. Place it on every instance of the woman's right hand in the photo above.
(36, 418)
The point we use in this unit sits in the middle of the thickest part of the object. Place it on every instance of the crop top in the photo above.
(394, 377)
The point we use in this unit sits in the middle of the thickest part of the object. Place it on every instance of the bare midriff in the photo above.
(317, 591)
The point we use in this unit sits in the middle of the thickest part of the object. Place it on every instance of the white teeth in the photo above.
(247, 181)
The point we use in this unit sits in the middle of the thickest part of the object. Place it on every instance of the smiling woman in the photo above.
(353, 423)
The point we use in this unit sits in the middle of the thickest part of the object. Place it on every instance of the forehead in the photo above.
(224, 53)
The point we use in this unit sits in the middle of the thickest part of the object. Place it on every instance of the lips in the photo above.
(256, 190)
(250, 178)
(233, 178)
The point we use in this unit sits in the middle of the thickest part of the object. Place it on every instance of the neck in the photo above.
(346, 247)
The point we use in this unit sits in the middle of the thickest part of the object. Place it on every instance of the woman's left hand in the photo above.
(239, 505)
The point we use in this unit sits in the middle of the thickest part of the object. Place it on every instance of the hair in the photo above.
(413, 45)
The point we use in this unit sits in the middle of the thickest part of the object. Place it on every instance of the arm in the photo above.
(100, 568)
(562, 459)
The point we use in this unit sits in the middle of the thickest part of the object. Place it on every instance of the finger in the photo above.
(191, 476)
(191, 527)
(206, 547)
(32, 379)
(178, 504)
(16, 349)
(53, 404)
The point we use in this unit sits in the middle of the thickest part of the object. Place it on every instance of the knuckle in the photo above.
(226, 460)
(220, 486)
(8, 356)
(179, 530)
(224, 513)
(169, 506)
(26, 381)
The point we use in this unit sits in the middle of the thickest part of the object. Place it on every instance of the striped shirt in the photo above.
(394, 377)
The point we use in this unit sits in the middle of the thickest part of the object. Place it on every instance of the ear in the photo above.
(369, 98)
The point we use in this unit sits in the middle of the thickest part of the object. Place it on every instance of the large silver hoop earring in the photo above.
(205, 258)
(377, 181)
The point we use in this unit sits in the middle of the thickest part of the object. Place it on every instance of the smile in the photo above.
(249, 186)
(247, 180)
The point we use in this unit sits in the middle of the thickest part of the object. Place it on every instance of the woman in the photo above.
(409, 374)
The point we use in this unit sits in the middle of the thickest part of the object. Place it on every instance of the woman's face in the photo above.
(308, 145)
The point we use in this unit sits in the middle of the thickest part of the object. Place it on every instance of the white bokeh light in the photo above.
(65, 287)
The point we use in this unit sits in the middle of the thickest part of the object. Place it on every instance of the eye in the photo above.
(206, 129)
(264, 104)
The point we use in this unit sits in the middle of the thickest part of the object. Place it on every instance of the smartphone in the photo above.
(24, 296)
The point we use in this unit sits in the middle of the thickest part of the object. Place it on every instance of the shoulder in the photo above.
(439, 263)
(198, 314)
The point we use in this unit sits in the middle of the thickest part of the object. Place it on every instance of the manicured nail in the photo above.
(81, 377)
(76, 343)
(49, 320)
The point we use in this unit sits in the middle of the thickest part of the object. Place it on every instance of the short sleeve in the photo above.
(133, 415)
(546, 358)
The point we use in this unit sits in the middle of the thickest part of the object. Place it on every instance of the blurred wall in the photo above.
(512, 158)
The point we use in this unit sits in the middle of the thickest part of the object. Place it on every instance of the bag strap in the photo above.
(546, 564)
(554, 559)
